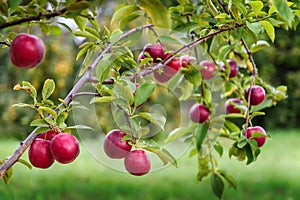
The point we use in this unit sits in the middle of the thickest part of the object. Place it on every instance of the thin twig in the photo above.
(33, 18)
(254, 71)
(184, 48)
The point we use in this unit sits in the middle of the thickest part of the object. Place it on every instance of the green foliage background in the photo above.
(278, 65)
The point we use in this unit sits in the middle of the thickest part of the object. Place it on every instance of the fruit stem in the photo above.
(254, 71)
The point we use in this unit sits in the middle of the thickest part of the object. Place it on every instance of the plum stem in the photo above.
(254, 70)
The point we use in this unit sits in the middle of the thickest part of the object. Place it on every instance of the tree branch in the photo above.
(33, 18)
(86, 77)
(254, 71)
(187, 47)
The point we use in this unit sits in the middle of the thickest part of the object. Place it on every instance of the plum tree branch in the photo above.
(33, 18)
(86, 77)
(254, 71)
(184, 48)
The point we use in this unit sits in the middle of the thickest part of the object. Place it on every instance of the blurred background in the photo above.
(273, 176)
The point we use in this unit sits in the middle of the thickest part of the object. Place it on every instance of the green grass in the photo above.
(274, 176)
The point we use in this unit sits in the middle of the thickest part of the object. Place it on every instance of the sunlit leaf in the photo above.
(284, 10)
(269, 29)
(48, 88)
(160, 17)
(104, 99)
(179, 132)
(122, 11)
(143, 93)
(39, 122)
(24, 162)
(156, 118)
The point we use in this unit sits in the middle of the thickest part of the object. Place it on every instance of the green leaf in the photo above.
(129, 18)
(39, 122)
(179, 132)
(201, 133)
(232, 127)
(224, 51)
(256, 28)
(85, 49)
(55, 30)
(143, 93)
(14, 3)
(122, 11)
(168, 39)
(269, 29)
(217, 185)
(203, 167)
(80, 127)
(78, 6)
(165, 156)
(230, 180)
(81, 22)
(8, 176)
(193, 76)
(41, 130)
(22, 105)
(104, 99)
(115, 35)
(48, 110)
(28, 87)
(256, 5)
(93, 32)
(102, 66)
(219, 148)
(174, 82)
(156, 118)
(85, 34)
(260, 44)
(24, 162)
(123, 92)
(48, 88)
(158, 12)
(284, 10)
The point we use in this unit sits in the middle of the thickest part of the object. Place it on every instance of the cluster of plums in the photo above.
(199, 113)
(136, 161)
(50, 146)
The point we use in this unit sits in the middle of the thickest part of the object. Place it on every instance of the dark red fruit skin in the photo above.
(156, 51)
(172, 67)
(258, 94)
(234, 68)
(230, 108)
(27, 51)
(137, 163)
(208, 71)
(47, 135)
(64, 148)
(199, 113)
(39, 154)
(114, 147)
(161, 77)
(260, 140)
